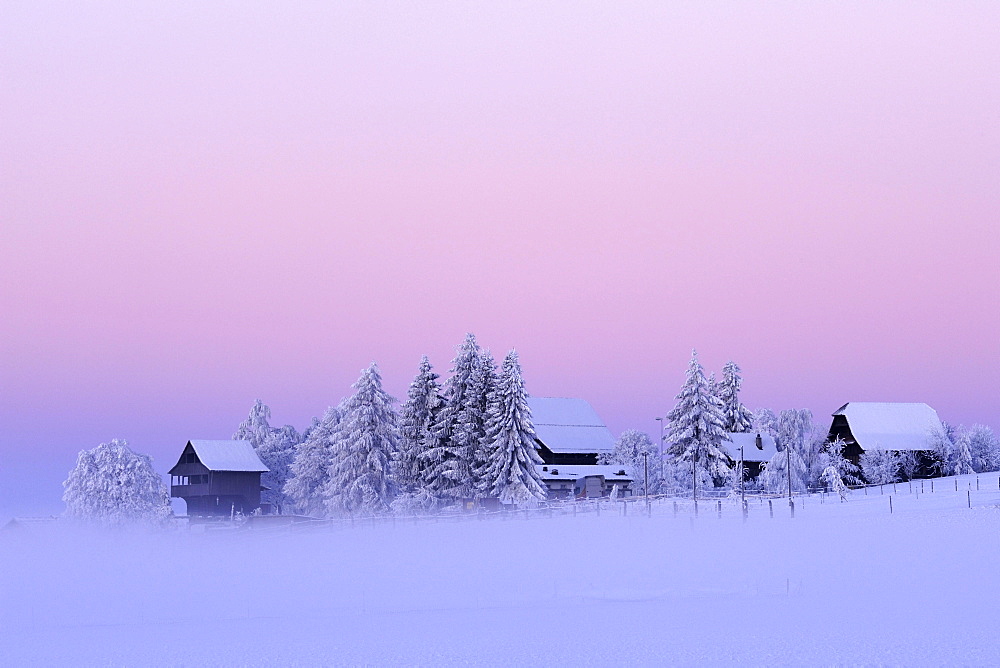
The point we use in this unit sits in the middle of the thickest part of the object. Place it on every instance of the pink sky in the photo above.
(202, 205)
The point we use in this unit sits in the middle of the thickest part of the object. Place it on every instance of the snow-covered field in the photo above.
(841, 583)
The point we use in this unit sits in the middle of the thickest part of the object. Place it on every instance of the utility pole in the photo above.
(788, 465)
(660, 450)
(645, 477)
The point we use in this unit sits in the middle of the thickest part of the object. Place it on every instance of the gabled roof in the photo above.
(228, 456)
(569, 426)
(749, 443)
(611, 472)
(891, 426)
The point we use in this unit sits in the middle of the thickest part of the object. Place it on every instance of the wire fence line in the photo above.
(968, 491)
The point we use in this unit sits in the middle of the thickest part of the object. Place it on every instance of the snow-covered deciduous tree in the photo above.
(880, 467)
(629, 450)
(360, 480)
(695, 426)
(310, 469)
(442, 475)
(831, 478)
(775, 477)
(736, 418)
(847, 470)
(275, 447)
(512, 452)
(941, 443)
(984, 447)
(765, 422)
(113, 486)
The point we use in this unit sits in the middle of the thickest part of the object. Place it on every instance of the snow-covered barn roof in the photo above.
(891, 426)
(228, 456)
(749, 443)
(611, 472)
(569, 425)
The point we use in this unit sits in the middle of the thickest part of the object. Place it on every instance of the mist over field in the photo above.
(841, 583)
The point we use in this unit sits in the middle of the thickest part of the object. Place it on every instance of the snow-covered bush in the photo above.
(880, 467)
(774, 477)
(113, 486)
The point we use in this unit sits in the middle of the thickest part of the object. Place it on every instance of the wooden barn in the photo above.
(218, 478)
(901, 427)
(569, 431)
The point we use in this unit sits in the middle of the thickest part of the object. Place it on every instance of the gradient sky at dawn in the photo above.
(202, 204)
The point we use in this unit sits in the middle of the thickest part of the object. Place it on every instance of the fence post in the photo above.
(932, 484)
(791, 506)
(720, 510)
(770, 508)
(675, 510)
(624, 509)
(746, 511)
(890, 504)
(969, 495)
(956, 484)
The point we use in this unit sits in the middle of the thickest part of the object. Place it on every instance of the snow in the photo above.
(891, 426)
(611, 472)
(840, 584)
(569, 425)
(228, 455)
(749, 443)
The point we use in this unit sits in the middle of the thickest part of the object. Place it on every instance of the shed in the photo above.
(569, 431)
(218, 478)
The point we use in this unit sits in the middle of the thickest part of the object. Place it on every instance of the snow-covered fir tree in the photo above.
(445, 477)
(695, 430)
(482, 385)
(880, 467)
(275, 447)
(417, 414)
(310, 468)
(360, 480)
(257, 427)
(113, 486)
(511, 448)
(736, 418)
(629, 449)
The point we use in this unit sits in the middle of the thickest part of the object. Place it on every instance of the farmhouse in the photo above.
(902, 427)
(218, 478)
(757, 451)
(586, 481)
(568, 431)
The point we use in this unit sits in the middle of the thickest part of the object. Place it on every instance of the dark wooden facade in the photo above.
(213, 493)
(841, 429)
(566, 458)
